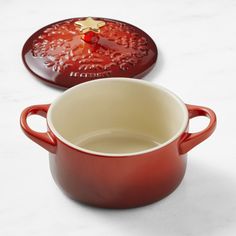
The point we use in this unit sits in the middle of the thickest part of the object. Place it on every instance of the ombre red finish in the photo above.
(118, 182)
(62, 56)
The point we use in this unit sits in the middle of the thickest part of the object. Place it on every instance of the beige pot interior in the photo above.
(117, 116)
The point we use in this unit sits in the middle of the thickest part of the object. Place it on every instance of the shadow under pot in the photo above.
(118, 143)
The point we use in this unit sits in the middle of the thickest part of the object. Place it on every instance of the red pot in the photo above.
(118, 143)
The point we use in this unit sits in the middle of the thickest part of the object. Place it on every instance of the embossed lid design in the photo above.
(77, 50)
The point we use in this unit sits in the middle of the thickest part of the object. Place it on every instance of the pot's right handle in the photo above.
(190, 140)
(45, 139)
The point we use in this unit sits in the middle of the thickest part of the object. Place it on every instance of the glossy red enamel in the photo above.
(60, 55)
(120, 181)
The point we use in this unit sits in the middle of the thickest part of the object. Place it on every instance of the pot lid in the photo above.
(77, 50)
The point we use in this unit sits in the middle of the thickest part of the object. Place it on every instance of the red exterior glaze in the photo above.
(61, 56)
(118, 182)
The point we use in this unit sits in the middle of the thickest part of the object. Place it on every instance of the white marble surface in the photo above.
(197, 60)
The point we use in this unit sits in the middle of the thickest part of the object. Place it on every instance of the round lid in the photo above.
(77, 50)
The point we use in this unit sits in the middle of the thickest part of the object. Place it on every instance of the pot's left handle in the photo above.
(45, 139)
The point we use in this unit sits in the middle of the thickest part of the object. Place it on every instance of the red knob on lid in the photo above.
(90, 29)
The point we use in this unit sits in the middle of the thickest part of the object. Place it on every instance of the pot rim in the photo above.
(130, 80)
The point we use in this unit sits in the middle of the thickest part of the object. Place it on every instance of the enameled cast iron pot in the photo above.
(118, 142)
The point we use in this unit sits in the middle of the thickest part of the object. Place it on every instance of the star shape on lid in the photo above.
(89, 24)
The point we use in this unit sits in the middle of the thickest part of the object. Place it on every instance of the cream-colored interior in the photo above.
(117, 116)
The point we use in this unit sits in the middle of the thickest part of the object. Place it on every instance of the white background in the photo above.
(197, 61)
